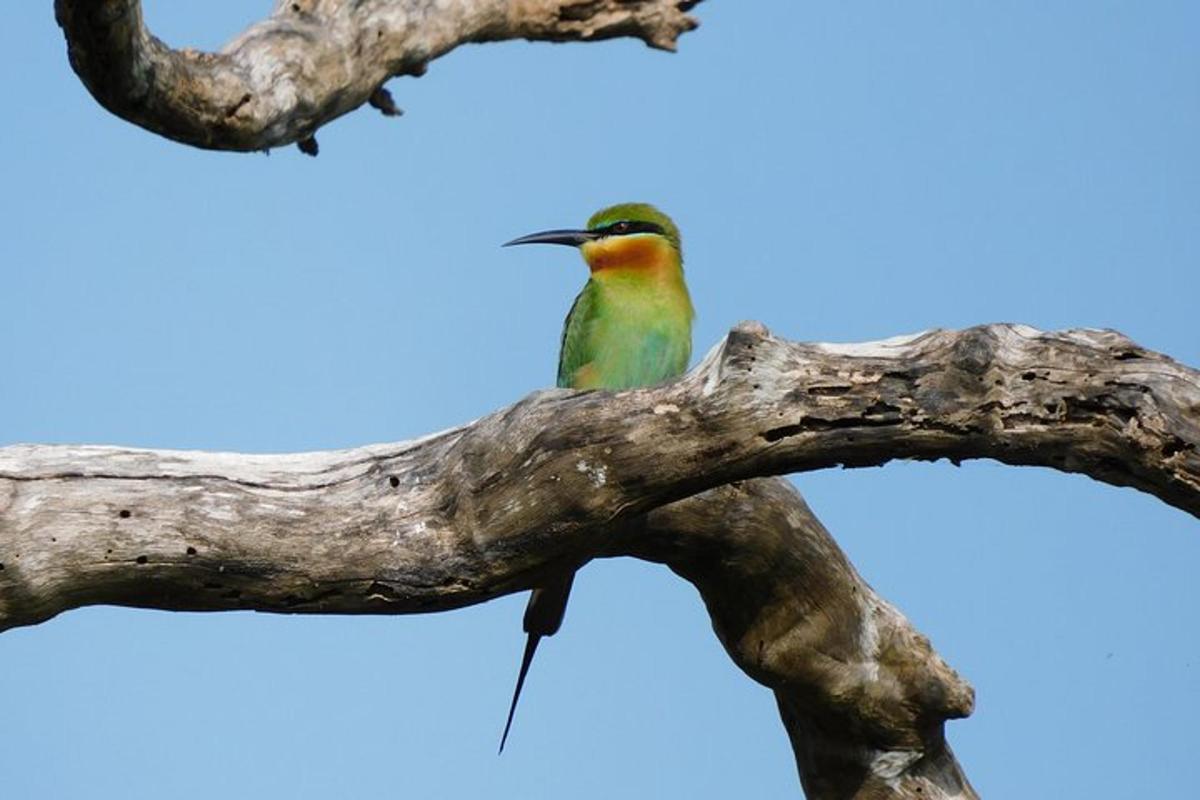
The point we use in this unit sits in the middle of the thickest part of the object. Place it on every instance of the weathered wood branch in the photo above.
(562, 477)
(313, 60)
(862, 694)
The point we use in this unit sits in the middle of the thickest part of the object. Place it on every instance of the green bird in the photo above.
(630, 326)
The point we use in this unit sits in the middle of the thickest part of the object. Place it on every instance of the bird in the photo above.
(630, 326)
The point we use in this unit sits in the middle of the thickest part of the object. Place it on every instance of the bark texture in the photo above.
(862, 694)
(313, 60)
(663, 474)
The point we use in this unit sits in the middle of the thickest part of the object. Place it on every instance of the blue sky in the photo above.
(840, 172)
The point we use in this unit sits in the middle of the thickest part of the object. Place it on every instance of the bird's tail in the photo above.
(547, 605)
(530, 648)
(543, 617)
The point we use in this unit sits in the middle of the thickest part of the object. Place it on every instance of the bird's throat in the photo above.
(649, 255)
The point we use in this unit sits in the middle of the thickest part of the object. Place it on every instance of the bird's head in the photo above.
(625, 236)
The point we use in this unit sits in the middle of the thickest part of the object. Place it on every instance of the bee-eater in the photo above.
(630, 326)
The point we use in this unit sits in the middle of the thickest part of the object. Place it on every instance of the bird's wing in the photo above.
(575, 352)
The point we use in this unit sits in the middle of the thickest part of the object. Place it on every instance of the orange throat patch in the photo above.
(650, 253)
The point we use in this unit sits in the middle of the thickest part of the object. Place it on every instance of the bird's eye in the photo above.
(620, 227)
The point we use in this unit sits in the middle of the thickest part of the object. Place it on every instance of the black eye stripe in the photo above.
(627, 227)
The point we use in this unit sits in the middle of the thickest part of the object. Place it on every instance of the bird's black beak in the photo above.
(567, 237)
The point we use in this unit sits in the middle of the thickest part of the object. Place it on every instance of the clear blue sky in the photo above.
(841, 171)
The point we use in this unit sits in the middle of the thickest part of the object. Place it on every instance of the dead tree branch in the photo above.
(561, 477)
(863, 695)
(313, 60)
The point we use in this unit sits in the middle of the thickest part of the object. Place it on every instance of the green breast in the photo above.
(623, 333)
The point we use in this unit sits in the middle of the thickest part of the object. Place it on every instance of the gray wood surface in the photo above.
(311, 61)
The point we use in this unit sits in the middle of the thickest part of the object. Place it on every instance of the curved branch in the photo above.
(467, 514)
(863, 696)
(313, 60)
(562, 477)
